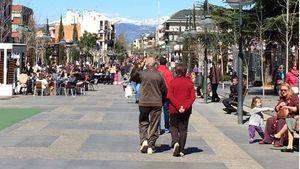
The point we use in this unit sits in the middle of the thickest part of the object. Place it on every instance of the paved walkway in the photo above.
(99, 130)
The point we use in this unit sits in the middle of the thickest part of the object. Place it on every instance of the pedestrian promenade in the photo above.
(100, 130)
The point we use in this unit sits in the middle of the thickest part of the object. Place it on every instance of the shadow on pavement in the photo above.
(191, 150)
(162, 148)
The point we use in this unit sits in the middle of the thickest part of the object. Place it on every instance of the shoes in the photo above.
(277, 145)
(150, 150)
(176, 152)
(251, 141)
(144, 146)
(287, 150)
(263, 142)
(137, 102)
(181, 154)
(167, 130)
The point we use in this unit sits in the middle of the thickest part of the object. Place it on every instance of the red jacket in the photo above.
(181, 93)
(292, 78)
(168, 76)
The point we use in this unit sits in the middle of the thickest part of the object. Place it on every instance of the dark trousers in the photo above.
(252, 129)
(227, 103)
(166, 114)
(179, 127)
(214, 88)
(148, 128)
(198, 90)
(273, 126)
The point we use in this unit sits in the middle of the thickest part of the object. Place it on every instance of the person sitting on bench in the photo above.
(233, 97)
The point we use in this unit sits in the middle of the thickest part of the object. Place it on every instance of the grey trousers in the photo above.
(148, 124)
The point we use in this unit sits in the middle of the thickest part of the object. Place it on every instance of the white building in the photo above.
(92, 22)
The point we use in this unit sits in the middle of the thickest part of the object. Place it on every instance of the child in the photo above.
(256, 120)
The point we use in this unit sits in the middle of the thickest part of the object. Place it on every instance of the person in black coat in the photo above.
(232, 97)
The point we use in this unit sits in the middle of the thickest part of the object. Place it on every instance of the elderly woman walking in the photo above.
(182, 95)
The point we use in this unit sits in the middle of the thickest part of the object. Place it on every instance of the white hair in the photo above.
(150, 62)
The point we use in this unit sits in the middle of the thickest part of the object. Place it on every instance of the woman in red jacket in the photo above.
(182, 95)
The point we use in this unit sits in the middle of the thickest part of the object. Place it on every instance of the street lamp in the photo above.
(206, 23)
(238, 4)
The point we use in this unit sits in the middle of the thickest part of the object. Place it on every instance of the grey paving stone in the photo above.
(41, 116)
(100, 143)
(46, 164)
(69, 117)
(121, 117)
(11, 141)
(71, 125)
(13, 163)
(81, 164)
(264, 154)
(37, 141)
(94, 126)
(107, 110)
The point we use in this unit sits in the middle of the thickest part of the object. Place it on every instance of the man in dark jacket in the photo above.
(215, 77)
(232, 97)
(153, 92)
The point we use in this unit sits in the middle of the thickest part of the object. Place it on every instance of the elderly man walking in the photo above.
(153, 91)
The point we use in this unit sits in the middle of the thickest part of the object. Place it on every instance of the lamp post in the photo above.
(206, 23)
(238, 4)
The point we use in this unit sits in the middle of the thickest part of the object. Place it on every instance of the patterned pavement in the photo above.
(100, 130)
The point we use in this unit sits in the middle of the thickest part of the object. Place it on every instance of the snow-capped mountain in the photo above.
(132, 28)
(133, 31)
(150, 21)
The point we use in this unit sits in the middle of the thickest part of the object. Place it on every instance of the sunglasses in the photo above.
(283, 90)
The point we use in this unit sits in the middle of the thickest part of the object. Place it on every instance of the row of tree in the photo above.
(265, 22)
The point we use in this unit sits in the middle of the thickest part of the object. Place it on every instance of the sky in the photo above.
(132, 9)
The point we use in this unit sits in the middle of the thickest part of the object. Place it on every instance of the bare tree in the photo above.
(29, 37)
(289, 20)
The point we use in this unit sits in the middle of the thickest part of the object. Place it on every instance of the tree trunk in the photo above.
(287, 37)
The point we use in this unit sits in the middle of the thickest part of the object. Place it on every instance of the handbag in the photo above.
(128, 91)
(283, 113)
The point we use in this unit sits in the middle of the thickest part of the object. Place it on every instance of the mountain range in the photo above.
(134, 29)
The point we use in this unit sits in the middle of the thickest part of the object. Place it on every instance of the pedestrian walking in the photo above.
(153, 91)
(168, 76)
(182, 95)
(256, 121)
(215, 77)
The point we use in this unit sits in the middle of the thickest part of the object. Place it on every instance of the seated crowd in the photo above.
(52, 80)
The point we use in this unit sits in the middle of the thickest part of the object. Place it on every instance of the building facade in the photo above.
(5, 21)
(68, 32)
(174, 28)
(91, 22)
(21, 18)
